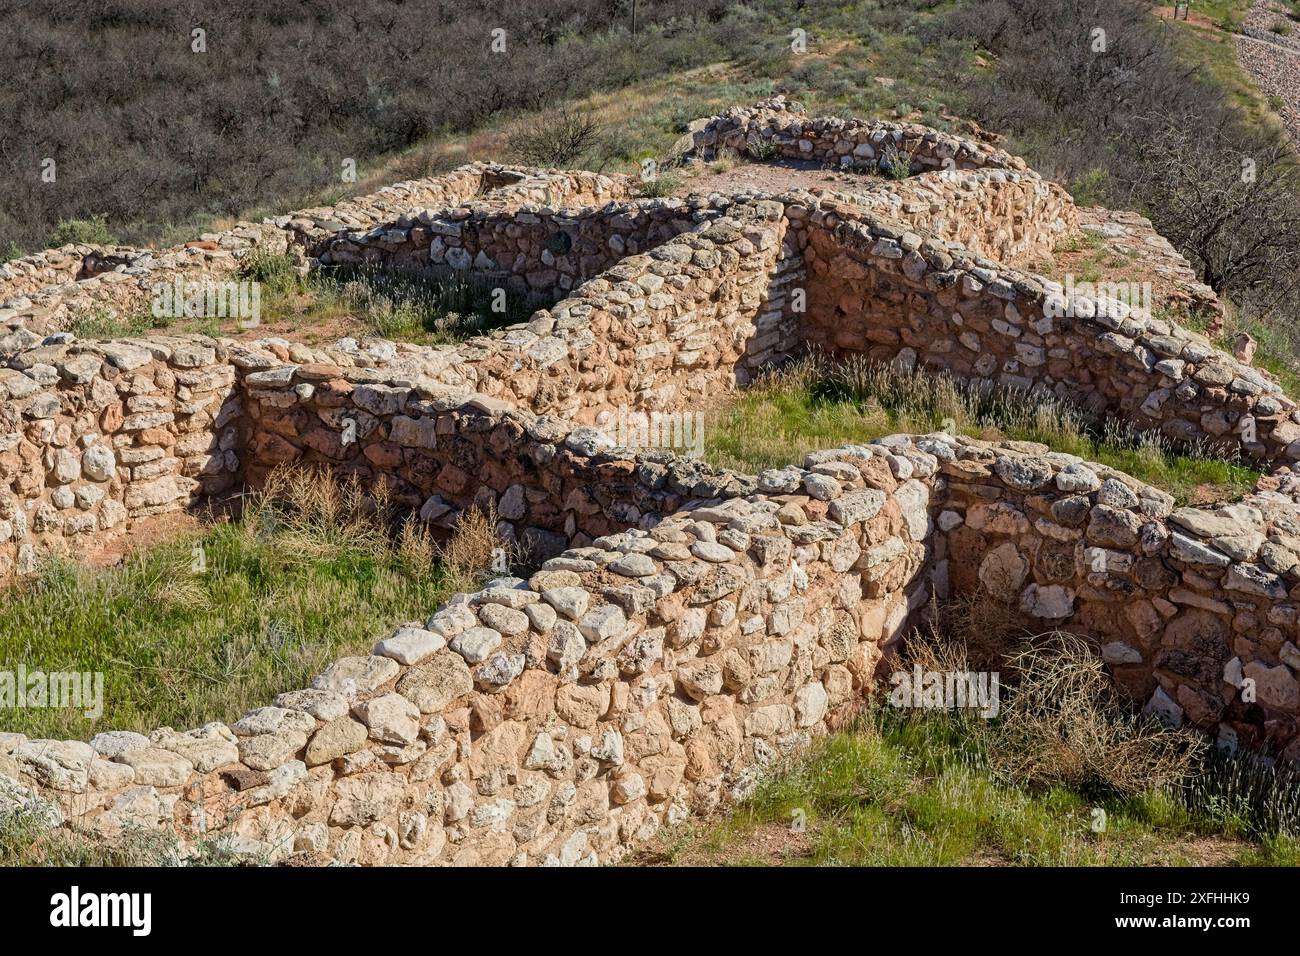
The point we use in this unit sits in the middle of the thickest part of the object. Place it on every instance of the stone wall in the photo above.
(653, 672)
(876, 288)
(778, 128)
(93, 435)
(441, 450)
(953, 189)
(1184, 604)
(669, 328)
(558, 720)
(529, 248)
(41, 294)
(684, 626)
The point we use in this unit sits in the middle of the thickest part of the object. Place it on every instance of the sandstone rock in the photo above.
(322, 704)
(1275, 686)
(338, 738)
(476, 643)
(155, 767)
(410, 645)
(268, 751)
(58, 764)
(431, 687)
(113, 742)
(351, 676)
(1003, 571)
(391, 718)
(364, 799)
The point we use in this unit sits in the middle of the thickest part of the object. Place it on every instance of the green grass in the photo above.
(427, 310)
(181, 641)
(902, 789)
(780, 419)
(392, 304)
(101, 322)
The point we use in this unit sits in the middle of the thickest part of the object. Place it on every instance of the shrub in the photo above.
(894, 163)
(1065, 724)
(665, 184)
(101, 322)
(92, 232)
(416, 307)
(278, 272)
(554, 138)
(761, 150)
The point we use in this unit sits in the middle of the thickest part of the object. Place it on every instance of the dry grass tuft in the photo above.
(476, 547)
(1066, 724)
(1061, 721)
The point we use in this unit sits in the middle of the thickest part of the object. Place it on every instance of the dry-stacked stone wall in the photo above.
(42, 293)
(532, 228)
(955, 190)
(533, 249)
(1185, 605)
(682, 627)
(441, 450)
(94, 435)
(557, 720)
(653, 672)
(51, 267)
(124, 281)
(780, 127)
(878, 288)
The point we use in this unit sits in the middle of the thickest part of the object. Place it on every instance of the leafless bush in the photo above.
(554, 138)
(1065, 723)
(1061, 720)
(984, 631)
